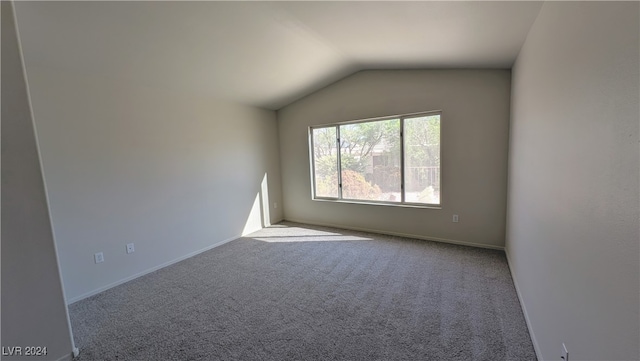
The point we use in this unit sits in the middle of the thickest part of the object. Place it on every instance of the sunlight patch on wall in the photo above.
(259, 216)
(254, 221)
(264, 191)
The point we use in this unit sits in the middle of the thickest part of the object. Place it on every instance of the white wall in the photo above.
(172, 174)
(573, 237)
(33, 307)
(474, 131)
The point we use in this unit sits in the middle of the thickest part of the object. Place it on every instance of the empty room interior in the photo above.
(320, 180)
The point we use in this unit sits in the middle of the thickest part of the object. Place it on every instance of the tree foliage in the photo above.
(423, 140)
(355, 186)
(358, 141)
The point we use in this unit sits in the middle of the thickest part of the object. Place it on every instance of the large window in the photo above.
(393, 160)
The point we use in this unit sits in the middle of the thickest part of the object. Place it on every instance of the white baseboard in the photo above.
(67, 357)
(70, 356)
(152, 269)
(408, 235)
(524, 308)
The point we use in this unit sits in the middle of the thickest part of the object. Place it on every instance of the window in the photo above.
(393, 160)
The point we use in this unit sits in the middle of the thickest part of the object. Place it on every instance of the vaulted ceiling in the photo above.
(267, 54)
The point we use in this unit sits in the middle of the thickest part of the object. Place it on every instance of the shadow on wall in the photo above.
(259, 215)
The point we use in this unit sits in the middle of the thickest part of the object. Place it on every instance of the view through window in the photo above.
(394, 160)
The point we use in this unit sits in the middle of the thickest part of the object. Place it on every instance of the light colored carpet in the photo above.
(298, 292)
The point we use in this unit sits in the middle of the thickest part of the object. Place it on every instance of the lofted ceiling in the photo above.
(267, 54)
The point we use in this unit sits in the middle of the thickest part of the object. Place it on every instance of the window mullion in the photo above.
(339, 165)
(402, 192)
(313, 163)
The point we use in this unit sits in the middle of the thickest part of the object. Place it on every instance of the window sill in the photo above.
(374, 203)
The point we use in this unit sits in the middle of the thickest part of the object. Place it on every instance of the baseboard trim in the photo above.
(536, 348)
(67, 357)
(149, 270)
(399, 234)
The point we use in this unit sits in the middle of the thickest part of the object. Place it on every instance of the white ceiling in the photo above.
(267, 54)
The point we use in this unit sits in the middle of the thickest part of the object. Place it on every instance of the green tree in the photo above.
(423, 140)
(358, 141)
(324, 142)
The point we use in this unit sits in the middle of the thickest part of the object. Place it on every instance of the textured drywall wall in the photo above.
(474, 137)
(33, 307)
(171, 173)
(572, 235)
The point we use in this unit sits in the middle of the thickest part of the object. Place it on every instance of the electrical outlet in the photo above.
(275, 205)
(565, 353)
(455, 218)
(130, 248)
(98, 257)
